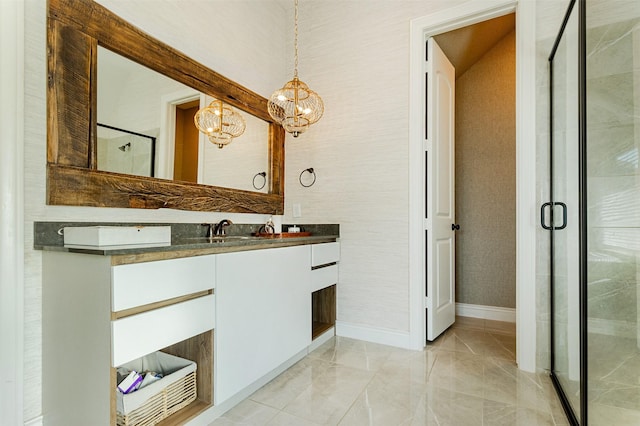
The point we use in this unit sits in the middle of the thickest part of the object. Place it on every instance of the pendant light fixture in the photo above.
(220, 123)
(295, 106)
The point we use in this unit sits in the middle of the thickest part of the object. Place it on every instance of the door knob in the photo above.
(455, 227)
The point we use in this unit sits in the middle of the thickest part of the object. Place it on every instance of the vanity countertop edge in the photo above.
(181, 245)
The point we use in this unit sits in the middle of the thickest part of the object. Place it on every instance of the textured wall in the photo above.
(355, 54)
(485, 179)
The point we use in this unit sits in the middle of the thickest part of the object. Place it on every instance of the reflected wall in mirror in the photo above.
(87, 163)
(140, 101)
(235, 165)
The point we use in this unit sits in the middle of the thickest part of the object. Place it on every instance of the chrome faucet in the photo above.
(219, 228)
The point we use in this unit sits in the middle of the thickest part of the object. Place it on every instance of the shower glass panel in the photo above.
(563, 213)
(594, 212)
(613, 220)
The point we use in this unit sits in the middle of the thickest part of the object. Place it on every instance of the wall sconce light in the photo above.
(220, 123)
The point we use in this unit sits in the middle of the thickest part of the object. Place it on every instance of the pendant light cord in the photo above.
(295, 42)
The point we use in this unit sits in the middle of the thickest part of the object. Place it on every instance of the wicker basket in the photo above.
(171, 397)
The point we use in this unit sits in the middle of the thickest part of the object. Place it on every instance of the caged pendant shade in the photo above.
(295, 106)
(220, 123)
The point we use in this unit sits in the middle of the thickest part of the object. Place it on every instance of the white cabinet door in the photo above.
(263, 314)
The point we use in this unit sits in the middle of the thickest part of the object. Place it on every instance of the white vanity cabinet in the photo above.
(266, 305)
(324, 278)
(263, 314)
(98, 314)
(324, 265)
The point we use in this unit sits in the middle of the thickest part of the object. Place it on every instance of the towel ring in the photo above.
(311, 171)
(264, 182)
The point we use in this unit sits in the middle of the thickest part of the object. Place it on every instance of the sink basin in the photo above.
(230, 237)
(283, 235)
(116, 236)
(219, 238)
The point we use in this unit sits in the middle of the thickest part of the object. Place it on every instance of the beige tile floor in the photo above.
(468, 376)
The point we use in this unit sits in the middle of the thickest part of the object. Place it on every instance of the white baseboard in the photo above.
(375, 335)
(486, 312)
(38, 421)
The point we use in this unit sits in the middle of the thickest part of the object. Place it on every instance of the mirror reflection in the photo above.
(125, 151)
(146, 128)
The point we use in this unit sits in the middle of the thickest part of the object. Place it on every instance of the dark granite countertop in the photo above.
(186, 240)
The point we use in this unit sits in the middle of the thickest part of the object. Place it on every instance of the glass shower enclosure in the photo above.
(594, 212)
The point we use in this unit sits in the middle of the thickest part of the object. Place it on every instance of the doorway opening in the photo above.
(174, 122)
(185, 158)
(483, 55)
(469, 173)
(421, 30)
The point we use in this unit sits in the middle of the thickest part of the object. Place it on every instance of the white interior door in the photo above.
(439, 161)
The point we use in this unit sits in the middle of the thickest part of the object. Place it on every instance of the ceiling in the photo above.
(465, 46)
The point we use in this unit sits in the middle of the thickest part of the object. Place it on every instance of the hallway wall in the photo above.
(486, 179)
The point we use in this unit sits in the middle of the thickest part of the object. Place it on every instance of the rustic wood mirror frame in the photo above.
(75, 28)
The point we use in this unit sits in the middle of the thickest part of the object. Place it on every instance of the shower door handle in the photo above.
(543, 222)
(564, 216)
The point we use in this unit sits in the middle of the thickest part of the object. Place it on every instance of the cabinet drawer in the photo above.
(322, 254)
(138, 335)
(324, 277)
(143, 283)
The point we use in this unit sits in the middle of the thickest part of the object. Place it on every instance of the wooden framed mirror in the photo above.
(75, 30)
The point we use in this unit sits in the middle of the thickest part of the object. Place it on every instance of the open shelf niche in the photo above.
(323, 310)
